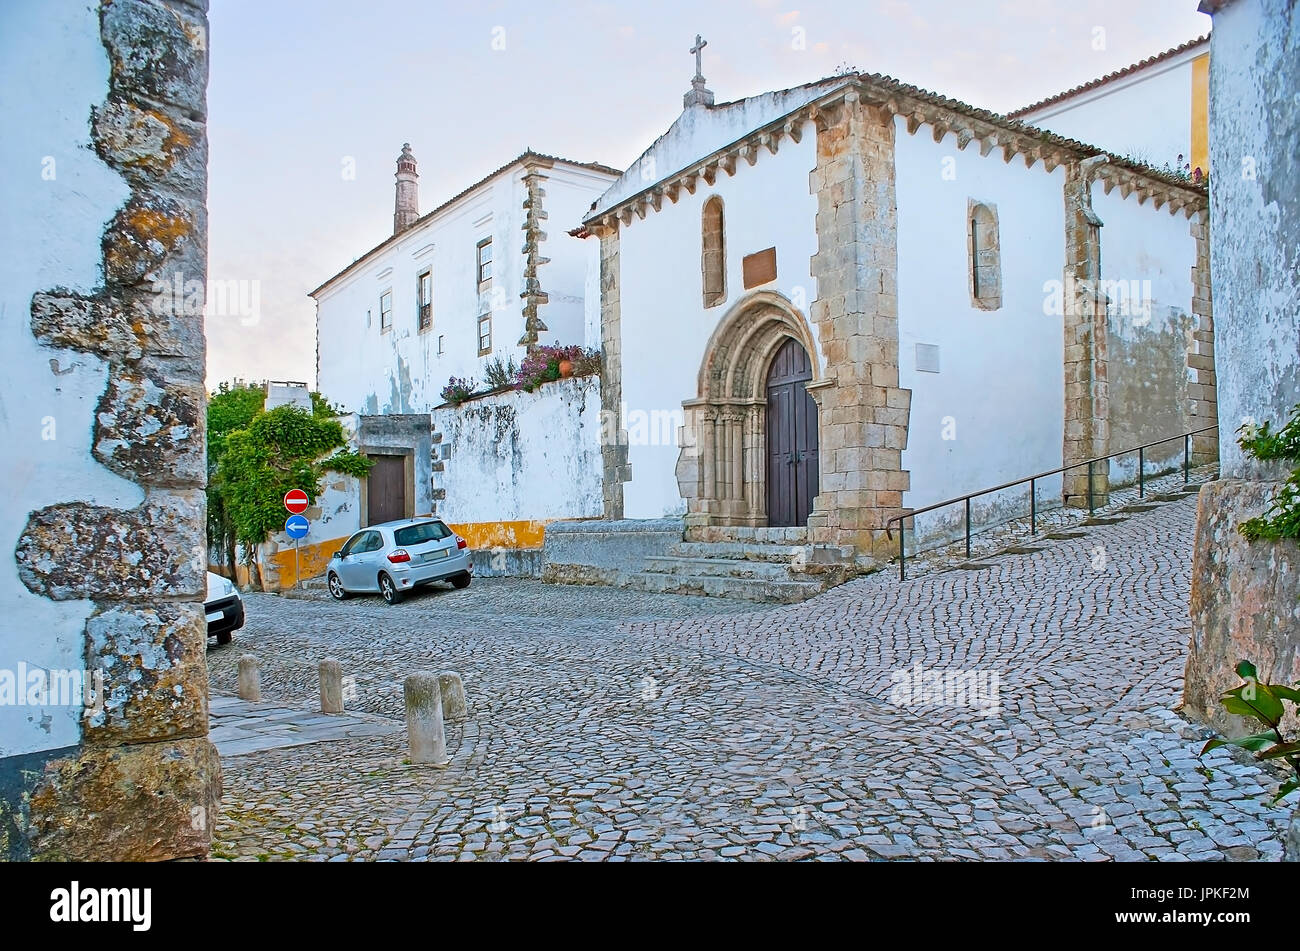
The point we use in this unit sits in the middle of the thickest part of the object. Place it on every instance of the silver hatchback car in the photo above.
(393, 558)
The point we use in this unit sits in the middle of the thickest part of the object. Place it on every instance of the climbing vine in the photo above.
(1282, 517)
(256, 456)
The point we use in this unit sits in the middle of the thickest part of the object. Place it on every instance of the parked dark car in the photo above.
(224, 609)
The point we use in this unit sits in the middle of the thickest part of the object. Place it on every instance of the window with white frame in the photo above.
(424, 299)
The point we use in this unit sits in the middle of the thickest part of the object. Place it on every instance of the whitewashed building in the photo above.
(485, 276)
(479, 277)
(860, 297)
(1153, 111)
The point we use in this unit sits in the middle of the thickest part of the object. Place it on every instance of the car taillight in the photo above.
(399, 555)
(461, 543)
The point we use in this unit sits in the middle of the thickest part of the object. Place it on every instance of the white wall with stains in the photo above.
(48, 397)
(523, 456)
(1147, 255)
(1255, 217)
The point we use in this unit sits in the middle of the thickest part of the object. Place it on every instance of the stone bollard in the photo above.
(424, 735)
(250, 678)
(452, 689)
(331, 686)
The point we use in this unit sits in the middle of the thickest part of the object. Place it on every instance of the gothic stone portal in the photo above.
(749, 457)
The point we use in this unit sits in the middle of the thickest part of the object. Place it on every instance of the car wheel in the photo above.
(225, 637)
(389, 590)
(462, 581)
(337, 591)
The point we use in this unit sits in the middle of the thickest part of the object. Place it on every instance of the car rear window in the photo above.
(419, 534)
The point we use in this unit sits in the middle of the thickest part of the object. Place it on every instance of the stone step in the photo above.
(760, 535)
(740, 551)
(719, 567)
(747, 589)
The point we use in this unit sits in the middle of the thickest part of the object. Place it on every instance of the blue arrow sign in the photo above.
(296, 526)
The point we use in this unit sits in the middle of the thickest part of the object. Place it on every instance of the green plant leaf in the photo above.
(1287, 788)
(1262, 706)
(1281, 749)
(1246, 670)
(1283, 692)
(1254, 742)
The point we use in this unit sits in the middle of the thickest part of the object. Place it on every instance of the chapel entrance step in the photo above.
(749, 569)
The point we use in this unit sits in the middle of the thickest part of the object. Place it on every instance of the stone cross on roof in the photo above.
(699, 95)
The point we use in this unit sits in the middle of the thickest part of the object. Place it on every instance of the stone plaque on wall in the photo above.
(759, 268)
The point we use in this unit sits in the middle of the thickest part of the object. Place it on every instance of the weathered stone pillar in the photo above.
(142, 781)
(613, 449)
(864, 413)
(331, 686)
(452, 689)
(424, 730)
(249, 684)
(1202, 387)
(1087, 429)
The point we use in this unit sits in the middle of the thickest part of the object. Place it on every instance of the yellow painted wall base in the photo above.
(313, 559)
(522, 534)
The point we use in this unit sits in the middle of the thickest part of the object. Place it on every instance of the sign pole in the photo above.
(297, 568)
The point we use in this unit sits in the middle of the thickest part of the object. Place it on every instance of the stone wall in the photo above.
(113, 571)
(1245, 603)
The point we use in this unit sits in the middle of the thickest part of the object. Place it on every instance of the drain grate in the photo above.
(1020, 550)
(1057, 536)
(1102, 521)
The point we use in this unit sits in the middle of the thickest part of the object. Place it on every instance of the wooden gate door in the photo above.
(386, 489)
(792, 463)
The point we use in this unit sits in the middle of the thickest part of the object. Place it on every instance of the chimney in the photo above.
(406, 207)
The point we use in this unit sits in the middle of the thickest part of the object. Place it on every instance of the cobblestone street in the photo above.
(612, 724)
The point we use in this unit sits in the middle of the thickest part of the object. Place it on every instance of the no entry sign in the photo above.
(295, 500)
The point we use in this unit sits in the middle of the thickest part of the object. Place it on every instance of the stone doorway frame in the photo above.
(722, 468)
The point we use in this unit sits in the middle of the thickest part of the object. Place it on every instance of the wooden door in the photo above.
(386, 490)
(792, 464)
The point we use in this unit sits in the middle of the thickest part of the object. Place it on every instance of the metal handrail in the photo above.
(1033, 495)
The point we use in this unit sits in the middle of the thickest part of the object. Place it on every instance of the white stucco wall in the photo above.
(1255, 217)
(401, 370)
(1001, 381)
(1146, 250)
(517, 456)
(700, 131)
(665, 326)
(48, 398)
(569, 194)
(1146, 116)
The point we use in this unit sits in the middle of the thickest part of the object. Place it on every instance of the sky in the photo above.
(309, 104)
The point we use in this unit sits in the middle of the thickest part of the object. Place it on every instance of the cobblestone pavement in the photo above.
(610, 724)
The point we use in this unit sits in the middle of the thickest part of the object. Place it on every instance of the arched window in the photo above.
(713, 261)
(985, 256)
